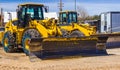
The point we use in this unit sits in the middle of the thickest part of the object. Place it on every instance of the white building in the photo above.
(14, 15)
(6, 16)
(51, 15)
(110, 22)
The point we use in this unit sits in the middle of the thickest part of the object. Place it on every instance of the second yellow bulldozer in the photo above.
(71, 28)
(37, 36)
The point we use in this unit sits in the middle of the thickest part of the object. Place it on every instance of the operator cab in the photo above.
(27, 12)
(67, 17)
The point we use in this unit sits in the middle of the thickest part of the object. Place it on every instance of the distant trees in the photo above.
(83, 15)
(95, 17)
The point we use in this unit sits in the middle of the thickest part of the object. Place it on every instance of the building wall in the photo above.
(6, 16)
(102, 23)
(14, 15)
(110, 22)
(115, 22)
(51, 15)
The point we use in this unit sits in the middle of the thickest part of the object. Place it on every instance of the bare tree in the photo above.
(83, 14)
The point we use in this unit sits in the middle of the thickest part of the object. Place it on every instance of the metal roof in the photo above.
(36, 4)
(110, 12)
(67, 11)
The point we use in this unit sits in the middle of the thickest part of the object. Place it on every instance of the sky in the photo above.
(93, 7)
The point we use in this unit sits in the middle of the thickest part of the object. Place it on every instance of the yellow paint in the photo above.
(48, 28)
(27, 42)
(25, 4)
(86, 29)
(6, 42)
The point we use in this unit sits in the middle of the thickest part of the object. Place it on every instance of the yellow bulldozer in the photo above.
(37, 36)
(71, 28)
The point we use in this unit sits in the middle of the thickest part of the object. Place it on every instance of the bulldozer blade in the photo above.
(41, 48)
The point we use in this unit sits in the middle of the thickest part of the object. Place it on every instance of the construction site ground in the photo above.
(19, 61)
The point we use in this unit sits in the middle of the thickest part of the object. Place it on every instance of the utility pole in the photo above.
(60, 5)
(75, 5)
(1, 17)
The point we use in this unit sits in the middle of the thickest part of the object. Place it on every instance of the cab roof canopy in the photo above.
(67, 11)
(28, 4)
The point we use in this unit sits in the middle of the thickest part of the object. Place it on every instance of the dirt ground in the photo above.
(19, 61)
